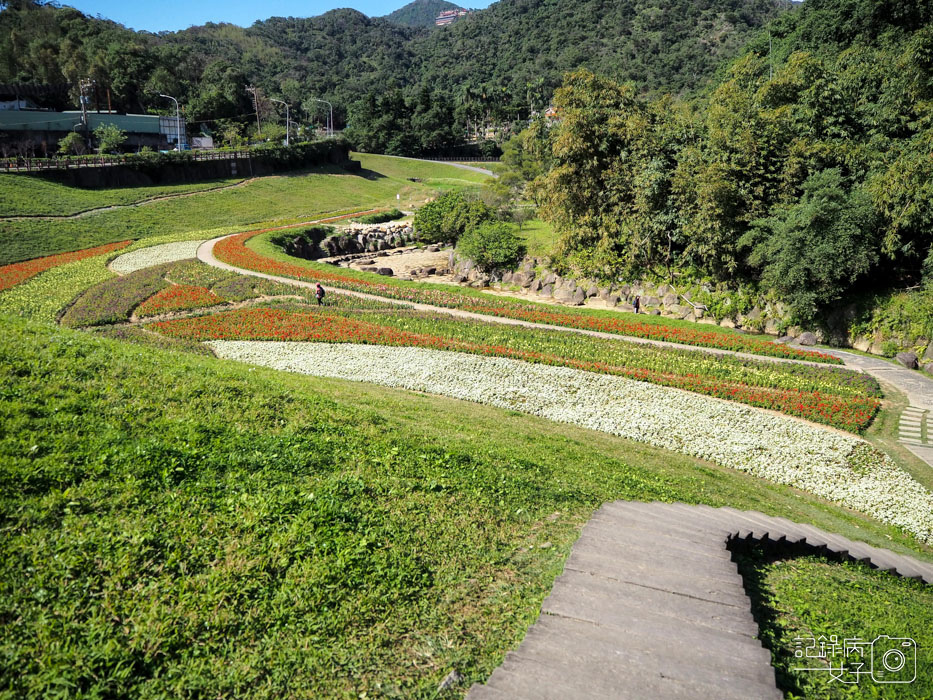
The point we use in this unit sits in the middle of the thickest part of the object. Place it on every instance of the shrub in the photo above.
(305, 243)
(449, 216)
(380, 217)
(491, 245)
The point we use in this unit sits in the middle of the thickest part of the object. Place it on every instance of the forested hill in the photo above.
(497, 63)
(420, 13)
(527, 45)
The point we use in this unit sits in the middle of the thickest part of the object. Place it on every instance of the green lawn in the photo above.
(23, 195)
(539, 238)
(280, 199)
(175, 525)
(810, 597)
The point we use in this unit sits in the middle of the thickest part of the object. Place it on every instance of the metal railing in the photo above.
(28, 165)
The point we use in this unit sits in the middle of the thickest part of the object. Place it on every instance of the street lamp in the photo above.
(177, 122)
(283, 102)
(330, 129)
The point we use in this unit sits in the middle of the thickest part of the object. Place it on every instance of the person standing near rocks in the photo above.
(319, 293)
(637, 303)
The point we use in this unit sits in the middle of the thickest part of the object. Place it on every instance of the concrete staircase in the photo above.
(651, 605)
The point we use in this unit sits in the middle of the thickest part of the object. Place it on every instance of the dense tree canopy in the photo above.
(461, 73)
(809, 172)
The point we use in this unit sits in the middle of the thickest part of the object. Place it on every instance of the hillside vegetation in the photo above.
(450, 79)
(807, 175)
(420, 13)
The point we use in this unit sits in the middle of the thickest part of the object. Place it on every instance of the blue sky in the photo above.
(169, 15)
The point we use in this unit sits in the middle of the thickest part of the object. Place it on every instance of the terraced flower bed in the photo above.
(114, 300)
(846, 409)
(178, 297)
(11, 275)
(233, 251)
(841, 468)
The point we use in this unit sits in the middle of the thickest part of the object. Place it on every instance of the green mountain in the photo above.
(420, 13)
(494, 66)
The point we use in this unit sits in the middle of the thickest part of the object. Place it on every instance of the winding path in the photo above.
(651, 605)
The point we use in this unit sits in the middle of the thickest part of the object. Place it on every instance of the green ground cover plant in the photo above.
(23, 195)
(44, 296)
(381, 217)
(809, 597)
(176, 525)
(280, 199)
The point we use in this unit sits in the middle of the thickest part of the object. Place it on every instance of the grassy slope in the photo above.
(174, 524)
(809, 597)
(22, 195)
(280, 199)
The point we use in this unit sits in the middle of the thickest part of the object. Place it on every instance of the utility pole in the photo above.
(286, 117)
(177, 122)
(254, 91)
(330, 125)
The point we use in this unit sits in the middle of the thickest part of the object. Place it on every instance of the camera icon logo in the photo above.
(893, 659)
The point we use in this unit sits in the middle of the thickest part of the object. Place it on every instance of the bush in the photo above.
(381, 217)
(492, 245)
(305, 243)
(449, 216)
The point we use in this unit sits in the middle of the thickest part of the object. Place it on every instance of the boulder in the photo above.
(507, 278)
(928, 368)
(650, 301)
(431, 249)
(613, 299)
(603, 293)
(806, 338)
(670, 299)
(563, 294)
(654, 312)
(908, 359)
(368, 268)
(428, 271)
(707, 320)
(547, 290)
(549, 279)
(771, 326)
(535, 286)
(579, 296)
(381, 254)
(664, 290)
(692, 317)
(727, 323)
(754, 315)
(862, 343)
(387, 271)
(592, 291)
(928, 355)
(784, 339)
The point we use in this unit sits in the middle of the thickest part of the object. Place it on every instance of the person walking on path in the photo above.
(637, 303)
(319, 293)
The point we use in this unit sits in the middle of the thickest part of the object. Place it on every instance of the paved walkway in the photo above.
(651, 605)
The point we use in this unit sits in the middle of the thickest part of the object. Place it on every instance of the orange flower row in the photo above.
(11, 275)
